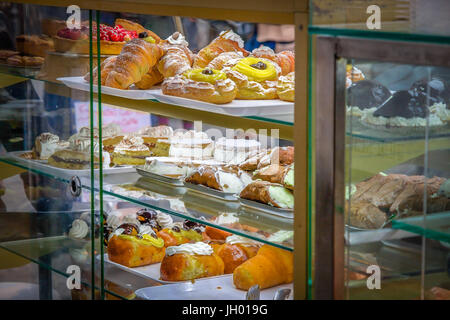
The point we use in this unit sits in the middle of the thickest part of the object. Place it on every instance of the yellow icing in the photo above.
(253, 74)
(190, 234)
(146, 240)
(197, 75)
(150, 39)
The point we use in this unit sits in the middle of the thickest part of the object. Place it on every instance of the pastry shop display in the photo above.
(179, 233)
(284, 59)
(130, 151)
(201, 84)
(71, 159)
(34, 45)
(190, 261)
(286, 87)
(177, 57)
(235, 151)
(270, 267)
(375, 200)
(227, 41)
(265, 192)
(365, 95)
(46, 144)
(235, 251)
(228, 179)
(255, 78)
(353, 74)
(137, 57)
(132, 245)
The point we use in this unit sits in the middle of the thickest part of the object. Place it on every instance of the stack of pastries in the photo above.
(187, 252)
(219, 73)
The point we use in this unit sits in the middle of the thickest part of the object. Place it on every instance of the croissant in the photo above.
(227, 41)
(153, 77)
(285, 59)
(270, 267)
(105, 67)
(136, 58)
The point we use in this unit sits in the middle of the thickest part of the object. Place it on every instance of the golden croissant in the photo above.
(135, 60)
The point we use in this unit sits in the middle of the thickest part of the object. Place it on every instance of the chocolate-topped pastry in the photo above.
(366, 94)
(403, 104)
(144, 216)
(198, 227)
(129, 229)
(438, 91)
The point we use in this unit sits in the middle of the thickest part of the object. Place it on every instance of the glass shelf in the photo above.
(432, 226)
(179, 202)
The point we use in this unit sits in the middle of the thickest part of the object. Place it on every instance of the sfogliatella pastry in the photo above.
(365, 96)
(286, 87)
(273, 194)
(136, 59)
(226, 179)
(131, 151)
(202, 84)
(179, 233)
(285, 59)
(46, 144)
(235, 251)
(235, 151)
(255, 78)
(71, 159)
(227, 41)
(177, 57)
(132, 245)
(270, 267)
(190, 261)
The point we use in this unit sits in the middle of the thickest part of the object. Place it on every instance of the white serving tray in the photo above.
(205, 289)
(260, 108)
(151, 271)
(136, 94)
(42, 165)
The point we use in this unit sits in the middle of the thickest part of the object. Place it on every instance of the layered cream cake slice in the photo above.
(131, 151)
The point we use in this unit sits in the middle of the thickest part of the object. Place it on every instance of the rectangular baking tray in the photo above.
(80, 84)
(235, 108)
(206, 289)
(44, 166)
(210, 192)
(254, 205)
(151, 271)
(159, 177)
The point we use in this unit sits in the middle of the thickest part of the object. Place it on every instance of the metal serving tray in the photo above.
(219, 288)
(159, 177)
(254, 205)
(198, 188)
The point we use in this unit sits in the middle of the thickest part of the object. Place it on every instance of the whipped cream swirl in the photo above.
(235, 239)
(177, 39)
(79, 229)
(199, 248)
(164, 220)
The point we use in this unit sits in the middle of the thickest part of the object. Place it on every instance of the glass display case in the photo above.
(133, 144)
(380, 110)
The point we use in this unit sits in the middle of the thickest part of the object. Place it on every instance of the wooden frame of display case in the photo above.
(264, 11)
(329, 97)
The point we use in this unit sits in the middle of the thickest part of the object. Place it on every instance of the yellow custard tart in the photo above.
(256, 69)
(205, 75)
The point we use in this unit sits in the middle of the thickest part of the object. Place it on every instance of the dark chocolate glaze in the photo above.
(128, 228)
(367, 94)
(198, 227)
(403, 104)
